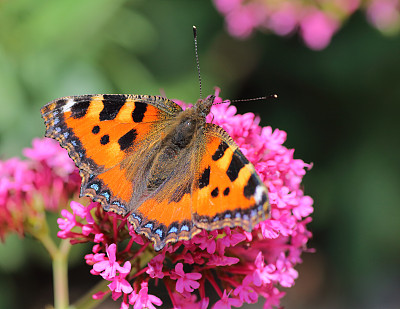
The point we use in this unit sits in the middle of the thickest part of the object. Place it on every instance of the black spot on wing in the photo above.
(215, 192)
(112, 105)
(226, 191)
(79, 109)
(237, 163)
(139, 111)
(204, 179)
(96, 129)
(105, 139)
(127, 139)
(220, 151)
(250, 187)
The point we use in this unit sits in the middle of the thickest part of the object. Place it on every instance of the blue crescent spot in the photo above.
(106, 195)
(58, 129)
(173, 230)
(56, 120)
(149, 225)
(184, 228)
(66, 134)
(238, 215)
(135, 216)
(159, 232)
(228, 215)
(74, 143)
(95, 187)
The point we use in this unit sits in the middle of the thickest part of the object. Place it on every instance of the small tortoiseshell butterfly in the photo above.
(165, 167)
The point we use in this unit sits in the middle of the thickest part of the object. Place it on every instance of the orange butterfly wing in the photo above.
(228, 191)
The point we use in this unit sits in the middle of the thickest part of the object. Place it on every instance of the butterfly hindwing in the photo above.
(228, 191)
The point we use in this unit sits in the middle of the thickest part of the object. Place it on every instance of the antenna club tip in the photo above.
(275, 96)
(194, 27)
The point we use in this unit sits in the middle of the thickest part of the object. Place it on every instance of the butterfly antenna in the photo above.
(197, 58)
(272, 96)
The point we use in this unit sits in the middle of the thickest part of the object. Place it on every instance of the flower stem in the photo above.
(60, 276)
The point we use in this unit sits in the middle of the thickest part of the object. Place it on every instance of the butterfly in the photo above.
(167, 169)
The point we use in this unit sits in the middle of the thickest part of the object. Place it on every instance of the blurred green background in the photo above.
(340, 108)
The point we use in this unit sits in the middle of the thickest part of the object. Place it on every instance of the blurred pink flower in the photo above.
(384, 14)
(316, 22)
(317, 29)
(45, 181)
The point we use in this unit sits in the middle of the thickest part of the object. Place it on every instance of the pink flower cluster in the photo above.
(46, 180)
(316, 21)
(241, 267)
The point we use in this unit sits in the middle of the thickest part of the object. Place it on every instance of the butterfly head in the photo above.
(203, 107)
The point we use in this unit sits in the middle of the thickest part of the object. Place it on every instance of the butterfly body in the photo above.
(169, 170)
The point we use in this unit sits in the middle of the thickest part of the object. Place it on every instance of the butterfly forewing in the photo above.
(100, 132)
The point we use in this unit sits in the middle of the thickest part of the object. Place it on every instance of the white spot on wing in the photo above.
(260, 190)
(68, 105)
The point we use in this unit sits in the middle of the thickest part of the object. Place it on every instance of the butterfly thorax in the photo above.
(178, 144)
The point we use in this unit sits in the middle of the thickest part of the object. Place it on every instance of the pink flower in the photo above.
(317, 29)
(263, 274)
(216, 260)
(119, 284)
(186, 281)
(108, 267)
(155, 267)
(286, 273)
(143, 299)
(226, 303)
(83, 212)
(245, 292)
(66, 224)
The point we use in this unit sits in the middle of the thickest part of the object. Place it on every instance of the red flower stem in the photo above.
(230, 281)
(139, 273)
(210, 278)
(140, 251)
(202, 290)
(171, 295)
(128, 246)
(115, 229)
